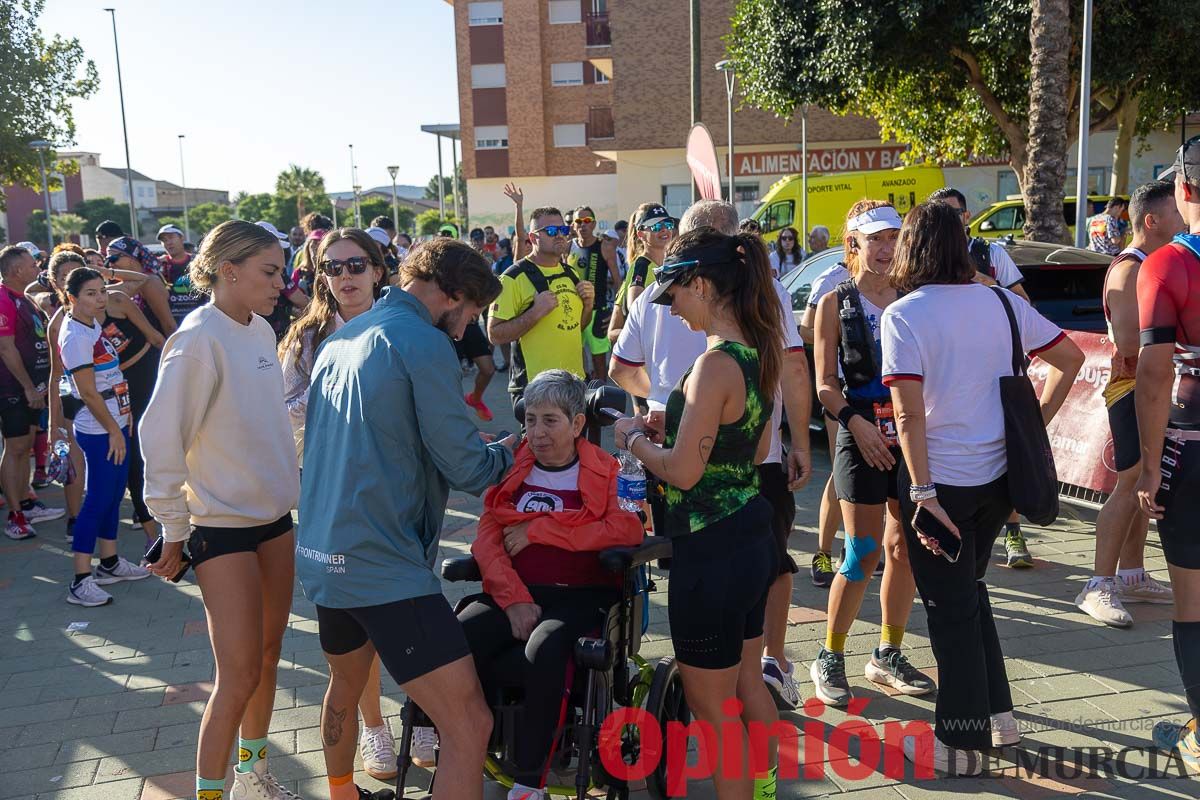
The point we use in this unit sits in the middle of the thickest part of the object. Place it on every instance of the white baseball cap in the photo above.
(379, 235)
(165, 229)
(33, 249)
(266, 226)
(876, 220)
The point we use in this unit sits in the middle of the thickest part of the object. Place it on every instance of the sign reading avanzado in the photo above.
(824, 160)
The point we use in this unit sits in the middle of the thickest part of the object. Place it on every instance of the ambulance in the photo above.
(830, 197)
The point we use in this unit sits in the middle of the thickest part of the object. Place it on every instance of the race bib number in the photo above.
(121, 393)
(885, 420)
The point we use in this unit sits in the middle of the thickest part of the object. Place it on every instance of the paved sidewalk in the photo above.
(104, 703)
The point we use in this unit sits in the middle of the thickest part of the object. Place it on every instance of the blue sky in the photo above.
(256, 84)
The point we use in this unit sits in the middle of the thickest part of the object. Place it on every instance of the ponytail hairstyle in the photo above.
(635, 246)
(740, 272)
(850, 241)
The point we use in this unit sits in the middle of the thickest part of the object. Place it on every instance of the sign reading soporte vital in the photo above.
(829, 159)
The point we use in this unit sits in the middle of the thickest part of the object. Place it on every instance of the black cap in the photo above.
(109, 228)
(651, 215)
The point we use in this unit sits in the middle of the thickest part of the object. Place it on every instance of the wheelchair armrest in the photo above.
(461, 568)
(620, 559)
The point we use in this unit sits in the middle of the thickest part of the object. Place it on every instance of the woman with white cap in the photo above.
(866, 459)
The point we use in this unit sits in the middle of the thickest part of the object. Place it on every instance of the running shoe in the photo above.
(828, 673)
(259, 784)
(18, 527)
(121, 571)
(40, 479)
(1101, 600)
(822, 570)
(87, 593)
(381, 794)
(893, 669)
(1171, 736)
(945, 760)
(481, 409)
(424, 741)
(1145, 589)
(1016, 549)
(519, 792)
(378, 749)
(35, 511)
(782, 685)
(1004, 729)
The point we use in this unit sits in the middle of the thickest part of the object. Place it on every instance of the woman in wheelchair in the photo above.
(537, 547)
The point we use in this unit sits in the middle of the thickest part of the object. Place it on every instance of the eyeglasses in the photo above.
(584, 220)
(355, 266)
(554, 230)
(662, 225)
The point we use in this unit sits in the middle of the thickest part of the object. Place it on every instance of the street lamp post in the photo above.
(393, 171)
(354, 189)
(458, 220)
(42, 146)
(441, 185)
(133, 226)
(187, 228)
(727, 67)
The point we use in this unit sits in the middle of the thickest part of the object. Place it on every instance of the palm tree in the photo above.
(67, 225)
(300, 184)
(1046, 168)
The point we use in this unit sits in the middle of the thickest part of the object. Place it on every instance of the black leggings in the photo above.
(544, 666)
(141, 377)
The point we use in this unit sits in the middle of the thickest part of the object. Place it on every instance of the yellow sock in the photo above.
(891, 636)
(835, 642)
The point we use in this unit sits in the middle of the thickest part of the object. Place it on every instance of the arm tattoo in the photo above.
(706, 446)
(332, 727)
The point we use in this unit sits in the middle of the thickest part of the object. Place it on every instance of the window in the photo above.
(565, 12)
(487, 76)
(676, 197)
(574, 135)
(1002, 220)
(1097, 182)
(489, 13)
(491, 137)
(600, 77)
(567, 73)
(779, 215)
(1006, 183)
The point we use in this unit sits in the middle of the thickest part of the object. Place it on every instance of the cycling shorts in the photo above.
(1127, 444)
(1179, 495)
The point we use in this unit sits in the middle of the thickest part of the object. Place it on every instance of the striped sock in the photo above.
(342, 787)
(835, 642)
(210, 789)
(250, 752)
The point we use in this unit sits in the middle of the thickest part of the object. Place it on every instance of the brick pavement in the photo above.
(111, 711)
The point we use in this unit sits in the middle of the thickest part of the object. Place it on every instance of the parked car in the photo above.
(1007, 217)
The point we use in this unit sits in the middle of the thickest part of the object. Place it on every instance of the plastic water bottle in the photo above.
(631, 482)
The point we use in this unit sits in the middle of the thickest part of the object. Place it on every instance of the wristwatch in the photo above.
(920, 492)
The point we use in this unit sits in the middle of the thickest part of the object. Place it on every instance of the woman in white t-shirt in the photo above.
(946, 344)
(787, 254)
(102, 432)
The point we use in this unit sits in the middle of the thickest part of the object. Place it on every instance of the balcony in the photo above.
(598, 33)
(600, 123)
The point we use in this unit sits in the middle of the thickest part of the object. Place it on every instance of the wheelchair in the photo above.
(610, 675)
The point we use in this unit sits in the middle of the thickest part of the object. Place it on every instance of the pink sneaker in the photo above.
(481, 410)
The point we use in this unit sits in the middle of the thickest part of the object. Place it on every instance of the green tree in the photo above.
(253, 207)
(101, 209)
(41, 79)
(206, 216)
(303, 186)
(431, 188)
(427, 222)
(66, 226)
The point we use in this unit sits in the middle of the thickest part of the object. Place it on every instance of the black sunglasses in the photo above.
(355, 266)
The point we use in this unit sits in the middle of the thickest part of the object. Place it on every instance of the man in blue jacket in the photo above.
(386, 438)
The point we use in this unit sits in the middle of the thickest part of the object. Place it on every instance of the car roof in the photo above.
(1026, 253)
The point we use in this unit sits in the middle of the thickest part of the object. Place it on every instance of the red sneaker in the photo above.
(481, 410)
(17, 527)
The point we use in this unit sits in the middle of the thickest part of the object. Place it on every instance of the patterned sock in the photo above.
(210, 789)
(890, 637)
(250, 752)
(342, 787)
(765, 787)
(1131, 576)
(40, 451)
(835, 642)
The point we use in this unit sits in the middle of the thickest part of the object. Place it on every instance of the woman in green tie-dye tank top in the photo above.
(725, 556)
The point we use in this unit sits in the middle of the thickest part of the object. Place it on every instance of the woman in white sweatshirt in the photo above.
(221, 475)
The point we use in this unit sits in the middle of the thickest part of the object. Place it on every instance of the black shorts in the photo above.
(720, 578)
(773, 486)
(209, 542)
(1127, 444)
(473, 343)
(71, 406)
(855, 481)
(1179, 495)
(16, 417)
(412, 637)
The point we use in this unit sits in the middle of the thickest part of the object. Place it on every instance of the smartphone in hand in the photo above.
(155, 553)
(933, 528)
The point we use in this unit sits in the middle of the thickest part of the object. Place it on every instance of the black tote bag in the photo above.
(1032, 477)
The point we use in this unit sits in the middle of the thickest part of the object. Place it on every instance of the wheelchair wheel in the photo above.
(666, 703)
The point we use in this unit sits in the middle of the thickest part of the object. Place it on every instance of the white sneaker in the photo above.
(38, 512)
(378, 749)
(18, 529)
(424, 740)
(1100, 600)
(122, 571)
(1145, 590)
(782, 685)
(519, 792)
(966, 762)
(1004, 729)
(259, 785)
(87, 593)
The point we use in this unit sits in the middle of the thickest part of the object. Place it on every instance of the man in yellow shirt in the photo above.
(542, 306)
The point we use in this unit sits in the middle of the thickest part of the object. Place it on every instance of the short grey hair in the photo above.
(819, 229)
(557, 387)
(715, 214)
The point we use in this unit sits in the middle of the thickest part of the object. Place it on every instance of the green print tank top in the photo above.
(730, 479)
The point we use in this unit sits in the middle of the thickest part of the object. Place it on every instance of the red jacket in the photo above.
(599, 524)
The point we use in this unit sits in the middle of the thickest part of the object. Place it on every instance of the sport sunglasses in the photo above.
(554, 230)
(355, 266)
(675, 270)
(584, 220)
(661, 225)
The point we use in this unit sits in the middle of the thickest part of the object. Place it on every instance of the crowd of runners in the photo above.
(320, 371)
